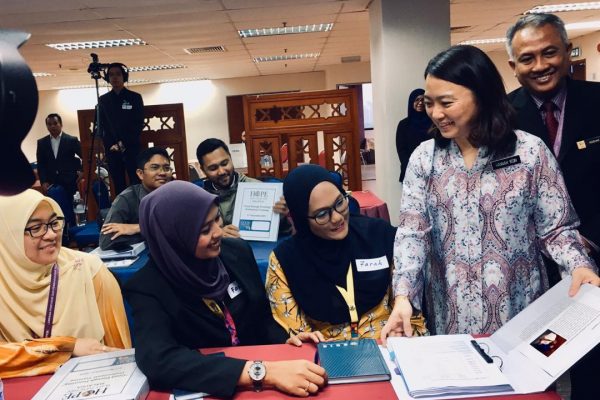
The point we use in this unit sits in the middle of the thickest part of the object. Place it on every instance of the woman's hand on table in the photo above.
(398, 324)
(297, 377)
(89, 346)
(315, 337)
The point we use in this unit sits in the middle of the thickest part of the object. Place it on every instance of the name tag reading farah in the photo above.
(372, 264)
(233, 290)
(506, 162)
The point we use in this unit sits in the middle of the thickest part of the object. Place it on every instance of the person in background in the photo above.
(333, 275)
(121, 226)
(412, 130)
(222, 179)
(59, 164)
(562, 112)
(121, 124)
(480, 203)
(55, 302)
(201, 290)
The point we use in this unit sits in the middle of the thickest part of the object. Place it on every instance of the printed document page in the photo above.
(253, 212)
(445, 364)
(556, 330)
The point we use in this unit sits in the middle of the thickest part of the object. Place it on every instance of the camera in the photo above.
(18, 107)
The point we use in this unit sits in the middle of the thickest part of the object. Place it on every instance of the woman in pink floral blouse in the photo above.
(481, 202)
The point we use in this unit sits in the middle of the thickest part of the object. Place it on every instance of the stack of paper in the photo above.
(105, 255)
(106, 376)
(444, 366)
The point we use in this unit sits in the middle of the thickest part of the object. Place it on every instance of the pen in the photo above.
(483, 354)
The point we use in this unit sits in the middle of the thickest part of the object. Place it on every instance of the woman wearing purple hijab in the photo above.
(201, 290)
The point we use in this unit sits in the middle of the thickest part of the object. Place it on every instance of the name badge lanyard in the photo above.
(224, 313)
(51, 301)
(348, 295)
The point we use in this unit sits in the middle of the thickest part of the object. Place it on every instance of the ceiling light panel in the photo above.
(286, 57)
(96, 44)
(484, 41)
(594, 5)
(42, 74)
(285, 30)
(156, 67)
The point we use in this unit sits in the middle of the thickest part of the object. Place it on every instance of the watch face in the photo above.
(257, 371)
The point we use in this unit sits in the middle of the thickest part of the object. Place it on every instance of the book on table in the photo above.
(352, 361)
(106, 376)
(526, 355)
(130, 251)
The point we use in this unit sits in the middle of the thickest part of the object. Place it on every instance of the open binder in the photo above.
(526, 355)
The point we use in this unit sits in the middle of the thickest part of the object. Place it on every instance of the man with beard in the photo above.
(222, 179)
(121, 227)
(562, 112)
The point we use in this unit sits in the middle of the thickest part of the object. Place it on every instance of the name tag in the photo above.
(582, 144)
(234, 289)
(126, 105)
(372, 264)
(506, 162)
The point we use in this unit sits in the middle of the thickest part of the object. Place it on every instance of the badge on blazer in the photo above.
(583, 144)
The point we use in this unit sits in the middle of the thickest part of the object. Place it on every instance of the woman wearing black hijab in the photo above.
(412, 130)
(333, 275)
(200, 290)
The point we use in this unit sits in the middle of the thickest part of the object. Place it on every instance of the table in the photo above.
(371, 205)
(25, 388)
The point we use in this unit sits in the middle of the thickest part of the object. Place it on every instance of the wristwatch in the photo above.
(257, 373)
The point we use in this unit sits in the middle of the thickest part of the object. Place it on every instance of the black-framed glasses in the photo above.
(157, 167)
(324, 216)
(39, 230)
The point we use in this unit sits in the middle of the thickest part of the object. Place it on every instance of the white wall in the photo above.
(204, 103)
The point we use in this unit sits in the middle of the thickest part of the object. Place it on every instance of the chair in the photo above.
(194, 174)
(199, 182)
(268, 178)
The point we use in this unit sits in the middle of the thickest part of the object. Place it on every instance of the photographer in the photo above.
(121, 124)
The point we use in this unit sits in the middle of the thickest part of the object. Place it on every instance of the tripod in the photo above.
(95, 69)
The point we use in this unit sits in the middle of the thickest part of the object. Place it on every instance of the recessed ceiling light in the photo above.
(96, 44)
(156, 67)
(74, 87)
(179, 80)
(553, 8)
(42, 74)
(286, 30)
(582, 25)
(286, 57)
(138, 81)
(484, 41)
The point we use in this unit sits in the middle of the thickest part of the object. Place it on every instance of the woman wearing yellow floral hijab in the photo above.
(55, 302)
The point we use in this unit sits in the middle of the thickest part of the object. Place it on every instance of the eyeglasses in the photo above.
(157, 167)
(324, 216)
(40, 230)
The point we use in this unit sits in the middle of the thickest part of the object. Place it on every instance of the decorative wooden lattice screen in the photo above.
(164, 126)
(282, 132)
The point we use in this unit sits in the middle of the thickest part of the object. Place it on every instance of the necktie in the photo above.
(551, 122)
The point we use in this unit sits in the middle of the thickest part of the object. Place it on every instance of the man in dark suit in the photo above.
(58, 163)
(563, 113)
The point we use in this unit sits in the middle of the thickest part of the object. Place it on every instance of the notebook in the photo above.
(353, 361)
